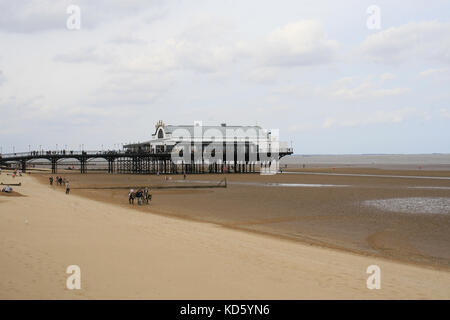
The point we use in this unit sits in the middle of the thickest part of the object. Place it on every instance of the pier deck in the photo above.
(136, 162)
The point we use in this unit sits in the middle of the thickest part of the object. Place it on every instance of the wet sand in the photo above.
(337, 215)
(127, 252)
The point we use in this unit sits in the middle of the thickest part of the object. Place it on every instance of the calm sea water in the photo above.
(385, 161)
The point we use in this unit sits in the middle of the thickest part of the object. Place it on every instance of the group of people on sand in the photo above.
(142, 196)
(60, 182)
(16, 173)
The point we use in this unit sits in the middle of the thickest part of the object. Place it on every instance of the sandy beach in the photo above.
(402, 215)
(128, 253)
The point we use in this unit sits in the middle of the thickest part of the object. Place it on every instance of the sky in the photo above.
(335, 77)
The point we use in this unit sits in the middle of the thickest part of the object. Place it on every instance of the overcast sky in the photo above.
(313, 69)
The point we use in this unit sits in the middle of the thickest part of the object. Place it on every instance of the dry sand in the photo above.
(126, 253)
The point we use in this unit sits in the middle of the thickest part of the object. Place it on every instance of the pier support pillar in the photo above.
(54, 165)
(110, 165)
(83, 165)
(24, 165)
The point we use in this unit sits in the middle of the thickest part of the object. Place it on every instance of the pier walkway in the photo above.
(119, 161)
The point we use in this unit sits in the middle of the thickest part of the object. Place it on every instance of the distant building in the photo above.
(166, 137)
(238, 148)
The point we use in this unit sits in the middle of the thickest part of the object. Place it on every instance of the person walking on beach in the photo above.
(67, 187)
(51, 180)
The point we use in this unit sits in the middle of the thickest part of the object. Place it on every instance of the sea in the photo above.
(435, 161)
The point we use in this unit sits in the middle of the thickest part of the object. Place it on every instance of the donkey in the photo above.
(147, 198)
(140, 197)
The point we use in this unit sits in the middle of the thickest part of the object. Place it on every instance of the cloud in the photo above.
(128, 93)
(88, 54)
(301, 43)
(205, 45)
(127, 39)
(142, 57)
(387, 76)
(2, 78)
(32, 15)
(29, 16)
(434, 72)
(196, 56)
(362, 119)
(445, 113)
(263, 75)
(366, 90)
(417, 40)
(349, 88)
(17, 110)
(355, 88)
(302, 127)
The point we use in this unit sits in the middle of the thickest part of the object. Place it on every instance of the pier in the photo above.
(139, 162)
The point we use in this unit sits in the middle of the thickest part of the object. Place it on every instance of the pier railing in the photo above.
(43, 153)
